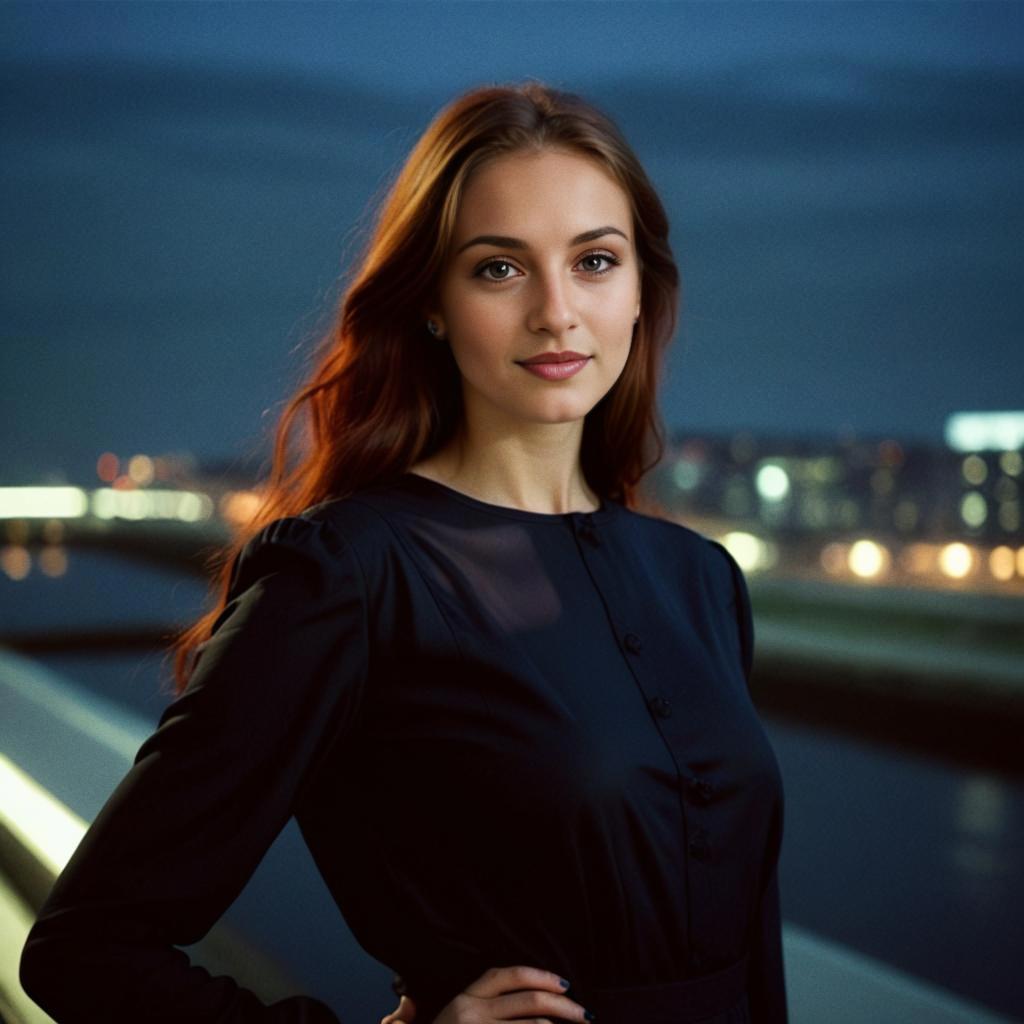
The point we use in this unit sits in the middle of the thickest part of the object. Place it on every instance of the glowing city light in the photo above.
(956, 560)
(186, 506)
(15, 561)
(1002, 563)
(1011, 463)
(53, 560)
(973, 509)
(107, 467)
(977, 431)
(140, 469)
(868, 559)
(750, 551)
(43, 502)
(686, 474)
(239, 507)
(974, 470)
(772, 482)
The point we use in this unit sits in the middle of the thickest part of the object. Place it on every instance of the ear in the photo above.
(432, 318)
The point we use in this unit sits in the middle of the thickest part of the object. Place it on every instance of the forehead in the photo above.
(551, 193)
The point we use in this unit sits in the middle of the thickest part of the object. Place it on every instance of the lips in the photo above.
(553, 357)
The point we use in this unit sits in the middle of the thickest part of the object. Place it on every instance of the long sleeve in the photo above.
(766, 978)
(279, 680)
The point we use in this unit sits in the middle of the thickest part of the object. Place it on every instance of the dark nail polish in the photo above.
(563, 982)
(589, 1016)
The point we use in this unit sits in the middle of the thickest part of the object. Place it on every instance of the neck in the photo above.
(537, 470)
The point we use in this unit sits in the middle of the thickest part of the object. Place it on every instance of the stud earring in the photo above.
(432, 327)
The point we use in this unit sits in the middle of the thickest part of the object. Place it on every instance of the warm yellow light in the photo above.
(1020, 561)
(1002, 562)
(750, 551)
(36, 818)
(140, 469)
(15, 561)
(53, 560)
(239, 507)
(956, 560)
(43, 502)
(868, 559)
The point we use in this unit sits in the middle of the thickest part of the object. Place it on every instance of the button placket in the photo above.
(661, 706)
(587, 529)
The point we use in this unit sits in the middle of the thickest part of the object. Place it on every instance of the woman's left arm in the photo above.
(766, 985)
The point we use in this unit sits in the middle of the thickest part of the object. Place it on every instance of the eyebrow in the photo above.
(505, 242)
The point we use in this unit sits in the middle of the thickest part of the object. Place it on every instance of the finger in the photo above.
(498, 980)
(536, 1003)
(404, 1014)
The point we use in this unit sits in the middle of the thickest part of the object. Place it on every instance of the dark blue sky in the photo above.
(182, 184)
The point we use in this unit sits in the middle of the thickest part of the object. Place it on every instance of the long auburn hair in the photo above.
(384, 394)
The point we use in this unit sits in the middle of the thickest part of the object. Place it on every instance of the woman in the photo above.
(508, 710)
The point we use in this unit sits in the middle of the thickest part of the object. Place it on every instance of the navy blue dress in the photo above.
(555, 707)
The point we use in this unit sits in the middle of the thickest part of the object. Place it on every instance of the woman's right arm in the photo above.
(280, 678)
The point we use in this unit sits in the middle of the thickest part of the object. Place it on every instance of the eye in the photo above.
(612, 261)
(487, 266)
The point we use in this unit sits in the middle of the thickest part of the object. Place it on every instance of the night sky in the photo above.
(182, 185)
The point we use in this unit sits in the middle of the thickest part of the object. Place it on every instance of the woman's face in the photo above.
(535, 286)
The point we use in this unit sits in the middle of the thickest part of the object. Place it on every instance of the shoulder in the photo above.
(686, 543)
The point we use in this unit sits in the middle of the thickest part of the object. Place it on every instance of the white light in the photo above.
(977, 431)
(111, 503)
(42, 502)
(772, 482)
(39, 821)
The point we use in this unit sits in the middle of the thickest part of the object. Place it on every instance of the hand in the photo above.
(405, 1012)
(511, 993)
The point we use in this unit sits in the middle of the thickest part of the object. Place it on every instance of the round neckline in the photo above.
(603, 511)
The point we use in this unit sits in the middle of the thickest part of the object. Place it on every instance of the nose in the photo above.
(553, 309)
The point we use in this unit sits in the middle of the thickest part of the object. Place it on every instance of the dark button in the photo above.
(588, 531)
(660, 706)
(701, 788)
(698, 845)
(632, 642)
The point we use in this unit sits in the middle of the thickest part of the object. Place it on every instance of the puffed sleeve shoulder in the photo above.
(279, 680)
(739, 602)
